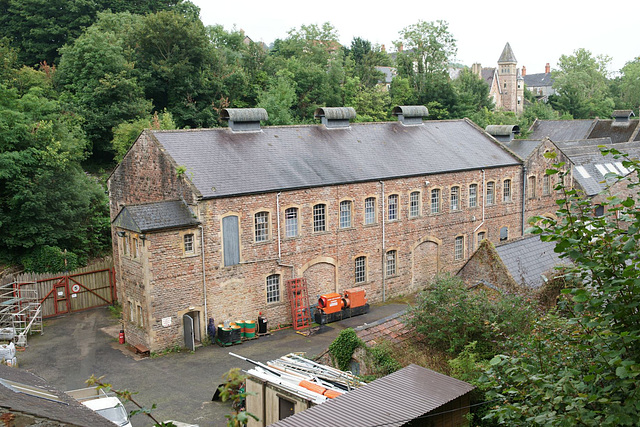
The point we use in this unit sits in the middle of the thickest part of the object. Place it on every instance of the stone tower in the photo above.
(511, 81)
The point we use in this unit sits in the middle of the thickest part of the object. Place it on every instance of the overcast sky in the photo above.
(538, 31)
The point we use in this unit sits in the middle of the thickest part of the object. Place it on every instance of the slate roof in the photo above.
(507, 55)
(561, 130)
(147, 217)
(221, 163)
(528, 259)
(488, 75)
(618, 131)
(67, 411)
(389, 73)
(589, 163)
(538, 80)
(522, 147)
(391, 401)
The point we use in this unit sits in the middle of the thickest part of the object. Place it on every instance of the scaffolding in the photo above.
(20, 311)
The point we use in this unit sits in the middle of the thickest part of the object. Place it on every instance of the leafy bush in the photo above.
(381, 360)
(50, 259)
(448, 316)
(343, 346)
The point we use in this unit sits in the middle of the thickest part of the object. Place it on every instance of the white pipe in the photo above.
(524, 195)
(278, 216)
(384, 282)
(483, 203)
(204, 276)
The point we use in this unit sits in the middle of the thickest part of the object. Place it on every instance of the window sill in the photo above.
(320, 233)
(395, 276)
(263, 242)
(370, 225)
(286, 239)
(190, 255)
(346, 229)
(414, 217)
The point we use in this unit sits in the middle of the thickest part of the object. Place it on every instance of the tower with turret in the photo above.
(511, 82)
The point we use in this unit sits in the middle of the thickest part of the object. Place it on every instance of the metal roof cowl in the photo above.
(335, 117)
(410, 114)
(244, 119)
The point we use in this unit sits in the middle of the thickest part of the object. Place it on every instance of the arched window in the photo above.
(391, 263)
(345, 213)
(393, 207)
(319, 218)
(261, 226)
(455, 198)
(435, 200)
(414, 204)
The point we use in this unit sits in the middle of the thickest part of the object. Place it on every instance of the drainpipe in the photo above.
(483, 203)
(278, 216)
(204, 276)
(384, 282)
(524, 194)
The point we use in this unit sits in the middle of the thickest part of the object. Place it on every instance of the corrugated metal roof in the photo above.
(390, 401)
(155, 216)
(528, 259)
(222, 163)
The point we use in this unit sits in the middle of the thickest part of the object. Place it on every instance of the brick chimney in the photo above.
(524, 71)
(400, 47)
(476, 69)
(382, 48)
(547, 68)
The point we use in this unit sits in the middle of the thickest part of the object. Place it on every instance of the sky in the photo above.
(538, 32)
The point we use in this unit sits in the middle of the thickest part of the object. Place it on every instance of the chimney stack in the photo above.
(547, 68)
(383, 49)
(476, 69)
(524, 71)
(400, 47)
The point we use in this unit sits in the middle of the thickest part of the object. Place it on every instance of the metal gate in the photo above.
(75, 291)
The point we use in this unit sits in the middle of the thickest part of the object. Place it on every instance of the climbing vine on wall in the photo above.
(342, 348)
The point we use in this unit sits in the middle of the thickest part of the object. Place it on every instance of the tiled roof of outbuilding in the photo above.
(148, 217)
(618, 131)
(393, 400)
(222, 163)
(67, 411)
(529, 259)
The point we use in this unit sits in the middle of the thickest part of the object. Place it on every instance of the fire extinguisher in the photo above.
(121, 336)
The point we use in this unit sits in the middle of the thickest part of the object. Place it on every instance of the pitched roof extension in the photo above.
(221, 163)
(391, 401)
(529, 259)
(147, 217)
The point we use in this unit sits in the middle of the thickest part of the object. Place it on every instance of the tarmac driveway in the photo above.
(74, 347)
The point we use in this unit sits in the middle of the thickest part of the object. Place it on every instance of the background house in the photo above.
(539, 84)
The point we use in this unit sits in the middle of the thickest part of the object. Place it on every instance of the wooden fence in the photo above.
(84, 288)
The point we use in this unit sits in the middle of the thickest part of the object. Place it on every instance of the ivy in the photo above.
(343, 346)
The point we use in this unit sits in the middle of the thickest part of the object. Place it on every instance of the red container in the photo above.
(356, 297)
(330, 303)
(121, 336)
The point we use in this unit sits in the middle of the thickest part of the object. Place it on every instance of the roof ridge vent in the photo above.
(622, 115)
(410, 114)
(335, 117)
(244, 119)
(503, 133)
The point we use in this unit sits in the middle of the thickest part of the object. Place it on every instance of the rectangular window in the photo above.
(132, 312)
(369, 210)
(531, 190)
(393, 207)
(455, 198)
(435, 200)
(504, 234)
(188, 243)
(459, 248)
(262, 226)
(392, 260)
(231, 240)
(361, 269)
(414, 204)
(506, 190)
(546, 185)
(481, 236)
(273, 288)
(491, 187)
(319, 218)
(136, 248)
(473, 195)
(140, 317)
(345, 214)
(291, 222)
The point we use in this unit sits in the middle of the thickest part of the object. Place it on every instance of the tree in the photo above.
(278, 98)
(45, 196)
(97, 73)
(38, 28)
(581, 86)
(472, 94)
(125, 134)
(425, 50)
(366, 57)
(581, 365)
(629, 85)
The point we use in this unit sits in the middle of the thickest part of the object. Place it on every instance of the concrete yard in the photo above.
(76, 346)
